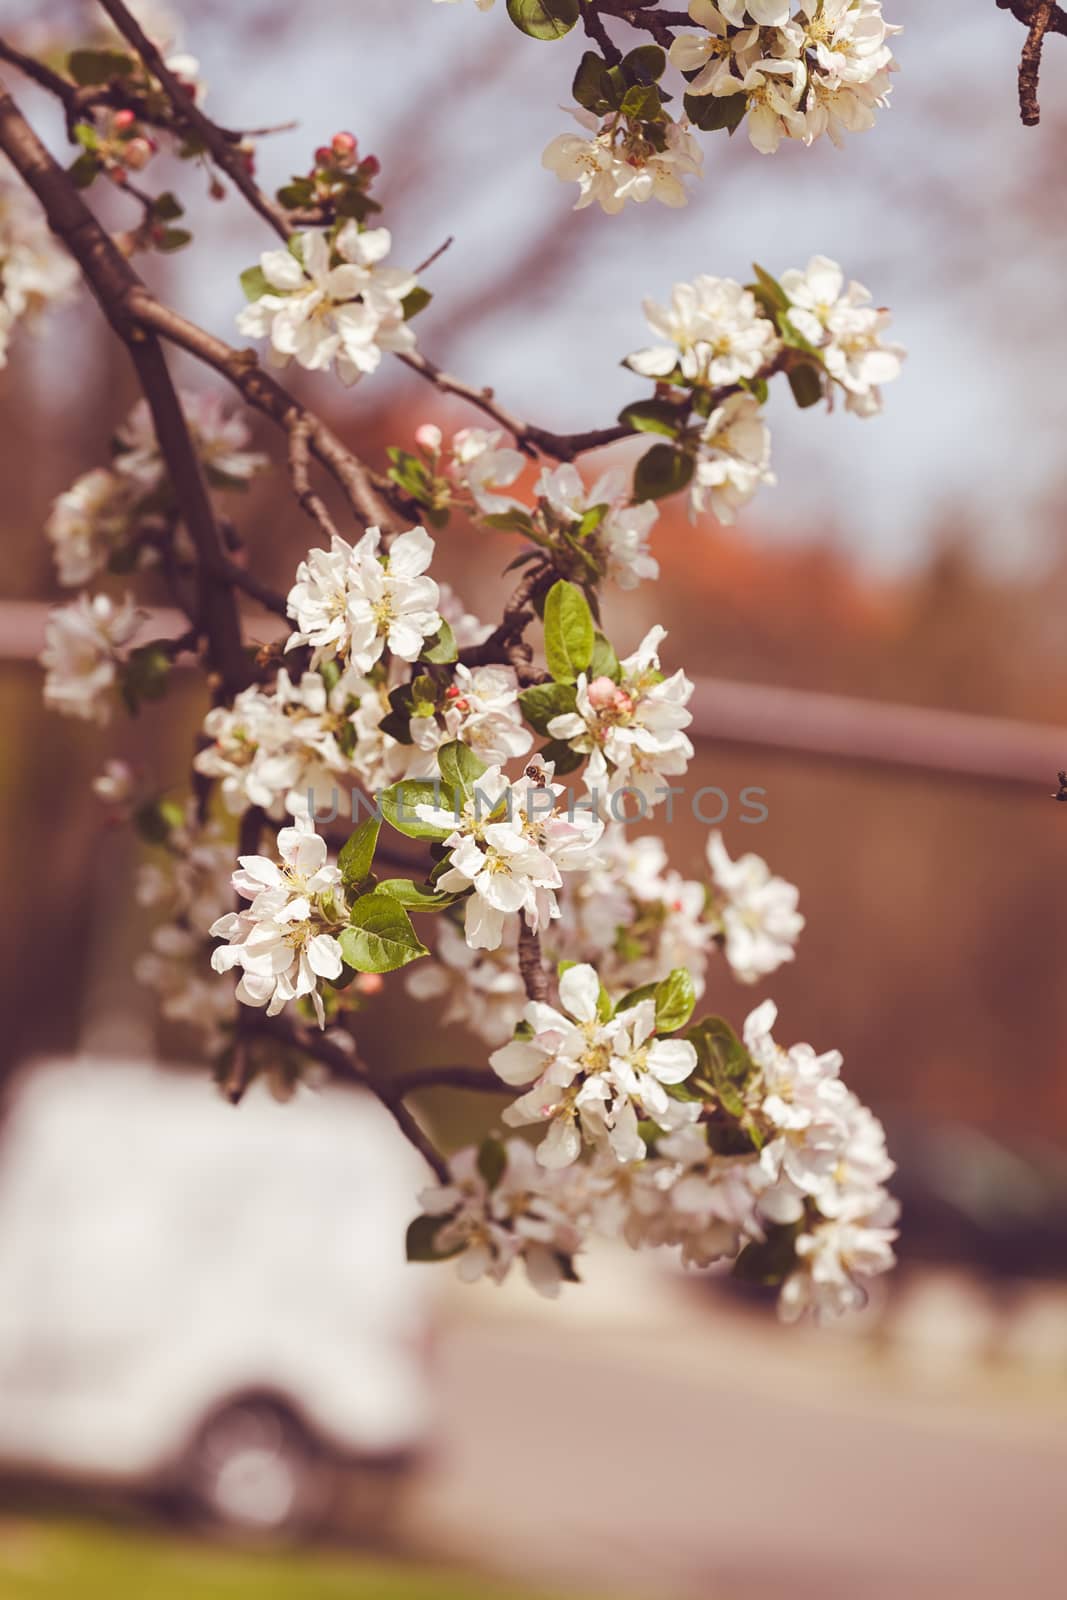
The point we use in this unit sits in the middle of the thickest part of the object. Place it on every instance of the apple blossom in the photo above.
(356, 602)
(330, 303)
(846, 329)
(714, 333)
(284, 942)
(511, 844)
(83, 653)
(755, 913)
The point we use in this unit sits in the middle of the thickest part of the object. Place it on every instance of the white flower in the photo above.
(632, 916)
(357, 602)
(511, 844)
(715, 54)
(518, 1218)
(482, 989)
(773, 89)
(87, 523)
(191, 883)
(178, 968)
(694, 1198)
(220, 437)
(272, 747)
(620, 163)
(323, 314)
(755, 913)
(482, 710)
(590, 1077)
(83, 652)
(35, 270)
(833, 1257)
(631, 730)
(733, 459)
(481, 467)
(714, 332)
(846, 330)
(284, 943)
(619, 541)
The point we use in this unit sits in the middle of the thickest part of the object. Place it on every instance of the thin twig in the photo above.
(224, 152)
(531, 965)
(299, 427)
(479, 1080)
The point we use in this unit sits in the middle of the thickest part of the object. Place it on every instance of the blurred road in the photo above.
(707, 1453)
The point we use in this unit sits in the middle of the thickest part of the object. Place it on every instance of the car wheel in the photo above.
(255, 1470)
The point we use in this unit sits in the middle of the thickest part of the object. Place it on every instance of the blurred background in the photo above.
(652, 1435)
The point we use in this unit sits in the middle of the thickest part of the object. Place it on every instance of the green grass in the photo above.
(73, 1561)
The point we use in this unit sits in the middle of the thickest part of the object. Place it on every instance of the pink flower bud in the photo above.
(124, 119)
(452, 692)
(428, 437)
(370, 166)
(137, 154)
(602, 694)
(344, 145)
(370, 983)
(324, 156)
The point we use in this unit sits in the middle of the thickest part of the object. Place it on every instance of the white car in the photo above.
(205, 1297)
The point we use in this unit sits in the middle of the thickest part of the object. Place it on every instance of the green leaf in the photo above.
(84, 169)
(442, 648)
(254, 283)
(167, 207)
(675, 999)
(647, 991)
(710, 112)
(379, 937)
(492, 1161)
(772, 289)
(806, 385)
(418, 299)
(772, 1260)
(460, 767)
(86, 135)
(661, 471)
(156, 820)
(544, 19)
(508, 522)
(569, 632)
(605, 663)
(641, 103)
(652, 416)
(724, 1061)
(172, 239)
(592, 87)
(294, 196)
(409, 894)
(421, 1240)
(398, 807)
(145, 676)
(543, 701)
(646, 64)
(88, 67)
(356, 856)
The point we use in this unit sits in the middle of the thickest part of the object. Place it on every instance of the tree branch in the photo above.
(221, 146)
(531, 965)
(1039, 17)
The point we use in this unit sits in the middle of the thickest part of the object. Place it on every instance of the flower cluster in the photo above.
(784, 1176)
(510, 842)
(630, 727)
(284, 943)
(789, 71)
(190, 887)
(118, 514)
(84, 652)
(718, 345)
(35, 271)
(626, 160)
(356, 602)
(592, 1078)
(329, 302)
(753, 913)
